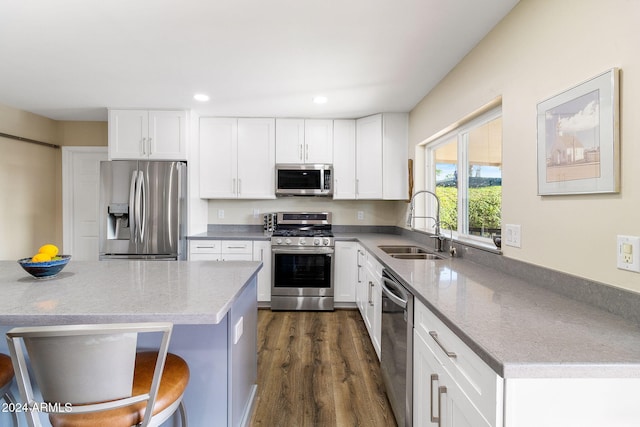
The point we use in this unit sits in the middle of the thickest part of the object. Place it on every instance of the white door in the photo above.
(318, 141)
(256, 159)
(80, 198)
(218, 158)
(289, 141)
(369, 157)
(344, 159)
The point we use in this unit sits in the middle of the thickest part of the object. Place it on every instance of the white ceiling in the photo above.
(71, 59)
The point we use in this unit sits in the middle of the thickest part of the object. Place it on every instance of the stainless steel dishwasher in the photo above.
(396, 349)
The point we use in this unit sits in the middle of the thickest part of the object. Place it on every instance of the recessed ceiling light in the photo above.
(320, 100)
(201, 97)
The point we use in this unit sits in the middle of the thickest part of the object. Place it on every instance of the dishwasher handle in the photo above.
(391, 295)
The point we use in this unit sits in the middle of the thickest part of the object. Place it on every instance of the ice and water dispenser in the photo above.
(118, 221)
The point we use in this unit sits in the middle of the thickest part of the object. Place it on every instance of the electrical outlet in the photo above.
(628, 253)
(256, 212)
(220, 213)
(361, 215)
(512, 235)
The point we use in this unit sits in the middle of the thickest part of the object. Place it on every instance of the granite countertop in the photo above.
(182, 292)
(519, 329)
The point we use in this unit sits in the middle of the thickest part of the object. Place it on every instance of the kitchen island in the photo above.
(212, 305)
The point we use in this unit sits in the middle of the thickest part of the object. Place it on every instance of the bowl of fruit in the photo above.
(46, 263)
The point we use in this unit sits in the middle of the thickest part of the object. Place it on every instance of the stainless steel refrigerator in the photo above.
(143, 210)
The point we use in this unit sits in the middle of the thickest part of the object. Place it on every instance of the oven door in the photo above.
(302, 271)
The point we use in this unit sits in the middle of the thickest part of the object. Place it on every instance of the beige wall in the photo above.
(540, 49)
(31, 178)
(344, 212)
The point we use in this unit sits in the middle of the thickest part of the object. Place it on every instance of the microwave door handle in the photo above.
(132, 200)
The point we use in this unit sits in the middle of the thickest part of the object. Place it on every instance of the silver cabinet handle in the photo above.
(300, 152)
(239, 186)
(450, 354)
(434, 377)
(441, 390)
(150, 142)
(143, 146)
(371, 285)
(205, 247)
(306, 152)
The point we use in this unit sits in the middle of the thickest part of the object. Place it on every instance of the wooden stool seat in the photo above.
(175, 377)
(6, 378)
(6, 370)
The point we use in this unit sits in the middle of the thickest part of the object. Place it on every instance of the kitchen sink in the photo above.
(415, 256)
(408, 252)
(401, 249)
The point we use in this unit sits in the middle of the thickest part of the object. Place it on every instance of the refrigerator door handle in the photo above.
(132, 200)
(140, 208)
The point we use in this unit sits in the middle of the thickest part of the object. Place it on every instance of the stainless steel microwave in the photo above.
(304, 180)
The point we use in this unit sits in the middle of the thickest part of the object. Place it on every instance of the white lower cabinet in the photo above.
(346, 272)
(452, 387)
(220, 250)
(262, 252)
(369, 295)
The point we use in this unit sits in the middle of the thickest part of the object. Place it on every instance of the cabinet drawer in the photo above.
(474, 377)
(204, 246)
(373, 265)
(237, 247)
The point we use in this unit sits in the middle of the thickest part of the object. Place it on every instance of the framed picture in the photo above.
(578, 139)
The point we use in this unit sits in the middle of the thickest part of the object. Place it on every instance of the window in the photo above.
(464, 168)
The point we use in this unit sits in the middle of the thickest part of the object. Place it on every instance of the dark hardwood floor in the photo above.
(318, 369)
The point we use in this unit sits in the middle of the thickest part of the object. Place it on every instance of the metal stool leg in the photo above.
(8, 397)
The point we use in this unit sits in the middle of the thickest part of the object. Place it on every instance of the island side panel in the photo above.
(243, 355)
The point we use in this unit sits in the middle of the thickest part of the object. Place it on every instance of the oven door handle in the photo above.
(295, 250)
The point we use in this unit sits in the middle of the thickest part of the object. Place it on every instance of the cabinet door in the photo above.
(218, 158)
(346, 271)
(167, 135)
(344, 159)
(425, 384)
(128, 132)
(289, 141)
(395, 154)
(376, 313)
(256, 159)
(262, 252)
(369, 157)
(318, 141)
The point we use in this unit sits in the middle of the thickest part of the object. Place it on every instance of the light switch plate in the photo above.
(628, 253)
(512, 235)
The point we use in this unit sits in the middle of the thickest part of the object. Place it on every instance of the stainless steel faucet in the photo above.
(410, 219)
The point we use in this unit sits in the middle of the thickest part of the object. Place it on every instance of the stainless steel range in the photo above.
(302, 247)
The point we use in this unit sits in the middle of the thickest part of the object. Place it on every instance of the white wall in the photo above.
(540, 49)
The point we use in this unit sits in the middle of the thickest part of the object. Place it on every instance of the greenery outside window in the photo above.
(464, 168)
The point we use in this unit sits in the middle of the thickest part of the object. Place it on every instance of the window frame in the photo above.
(460, 132)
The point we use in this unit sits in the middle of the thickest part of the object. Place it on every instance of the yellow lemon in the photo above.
(41, 257)
(49, 249)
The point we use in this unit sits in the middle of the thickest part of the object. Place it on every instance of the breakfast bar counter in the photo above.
(213, 306)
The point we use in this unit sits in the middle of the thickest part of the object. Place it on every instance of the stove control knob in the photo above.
(287, 241)
(279, 241)
(316, 242)
(302, 241)
(325, 242)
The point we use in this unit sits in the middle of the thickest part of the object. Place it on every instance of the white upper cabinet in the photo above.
(344, 161)
(304, 141)
(381, 157)
(147, 135)
(237, 158)
(369, 157)
(318, 141)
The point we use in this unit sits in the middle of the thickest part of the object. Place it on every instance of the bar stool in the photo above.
(76, 366)
(6, 379)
